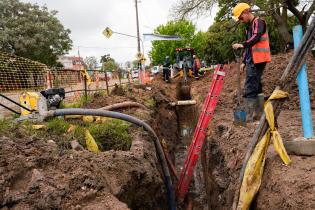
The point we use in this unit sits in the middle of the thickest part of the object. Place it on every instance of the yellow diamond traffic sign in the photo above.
(108, 32)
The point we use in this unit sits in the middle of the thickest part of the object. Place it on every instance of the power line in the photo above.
(107, 48)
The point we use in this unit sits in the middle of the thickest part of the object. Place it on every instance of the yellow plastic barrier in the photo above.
(88, 78)
(255, 166)
(90, 142)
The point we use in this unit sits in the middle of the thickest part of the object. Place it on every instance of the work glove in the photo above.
(237, 46)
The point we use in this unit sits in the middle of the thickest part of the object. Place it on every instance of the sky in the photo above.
(88, 18)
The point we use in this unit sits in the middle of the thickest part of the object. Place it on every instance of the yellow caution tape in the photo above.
(255, 166)
(88, 119)
(37, 127)
(90, 142)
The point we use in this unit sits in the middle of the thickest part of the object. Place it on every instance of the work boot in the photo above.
(259, 108)
(250, 108)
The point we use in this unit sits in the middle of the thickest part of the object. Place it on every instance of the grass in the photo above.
(6, 125)
(111, 135)
(150, 103)
(79, 103)
(57, 126)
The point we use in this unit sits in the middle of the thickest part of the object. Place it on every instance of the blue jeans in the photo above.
(253, 85)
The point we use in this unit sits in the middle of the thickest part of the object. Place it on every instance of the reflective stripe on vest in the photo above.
(264, 39)
(261, 50)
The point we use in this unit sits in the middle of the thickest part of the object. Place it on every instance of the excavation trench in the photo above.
(177, 126)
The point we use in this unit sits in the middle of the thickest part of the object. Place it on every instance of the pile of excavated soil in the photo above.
(274, 71)
(282, 186)
(36, 174)
(271, 76)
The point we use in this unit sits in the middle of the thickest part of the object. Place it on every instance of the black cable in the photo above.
(140, 123)
(23, 107)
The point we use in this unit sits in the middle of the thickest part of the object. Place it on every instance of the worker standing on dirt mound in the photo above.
(196, 66)
(257, 54)
(166, 69)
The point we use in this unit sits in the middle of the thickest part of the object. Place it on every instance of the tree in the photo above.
(219, 41)
(186, 30)
(221, 35)
(110, 65)
(33, 32)
(198, 43)
(91, 62)
(186, 8)
(277, 9)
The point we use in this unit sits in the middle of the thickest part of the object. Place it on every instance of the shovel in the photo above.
(239, 111)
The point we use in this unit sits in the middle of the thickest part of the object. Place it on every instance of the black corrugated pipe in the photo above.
(136, 121)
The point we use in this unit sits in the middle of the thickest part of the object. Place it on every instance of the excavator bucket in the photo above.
(183, 91)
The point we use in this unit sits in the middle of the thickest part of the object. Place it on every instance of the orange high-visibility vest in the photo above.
(261, 50)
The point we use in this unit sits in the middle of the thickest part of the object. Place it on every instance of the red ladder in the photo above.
(201, 131)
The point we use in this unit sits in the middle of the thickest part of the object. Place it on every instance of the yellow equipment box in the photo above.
(29, 100)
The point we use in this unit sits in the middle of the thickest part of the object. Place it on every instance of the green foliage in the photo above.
(222, 34)
(186, 30)
(225, 10)
(33, 32)
(111, 135)
(198, 43)
(110, 65)
(91, 62)
(219, 41)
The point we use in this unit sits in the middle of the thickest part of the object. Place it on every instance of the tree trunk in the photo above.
(282, 28)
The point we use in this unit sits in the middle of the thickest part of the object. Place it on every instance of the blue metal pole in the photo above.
(303, 89)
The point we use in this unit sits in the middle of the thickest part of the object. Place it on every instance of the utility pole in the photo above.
(138, 33)
(138, 39)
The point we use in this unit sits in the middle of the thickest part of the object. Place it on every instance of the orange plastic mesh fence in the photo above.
(18, 73)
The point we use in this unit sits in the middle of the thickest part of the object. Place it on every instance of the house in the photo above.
(72, 62)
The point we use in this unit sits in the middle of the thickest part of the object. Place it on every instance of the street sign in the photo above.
(108, 32)
(139, 55)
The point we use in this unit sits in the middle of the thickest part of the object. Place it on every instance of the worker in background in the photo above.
(196, 66)
(257, 54)
(166, 69)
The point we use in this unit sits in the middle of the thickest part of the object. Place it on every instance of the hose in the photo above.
(136, 121)
(126, 104)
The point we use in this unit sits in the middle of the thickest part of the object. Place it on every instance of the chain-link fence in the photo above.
(18, 75)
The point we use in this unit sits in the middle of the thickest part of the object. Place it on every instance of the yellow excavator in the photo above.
(184, 64)
(184, 70)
